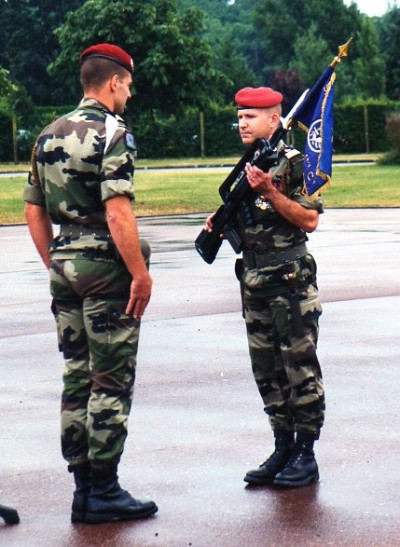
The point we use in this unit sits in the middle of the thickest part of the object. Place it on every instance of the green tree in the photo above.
(311, 55)
(173, 63)
(389, 38)
(28, 44)
(282, 24)
(230, 32)
(369, 66)
(16, 110)
(7, 89)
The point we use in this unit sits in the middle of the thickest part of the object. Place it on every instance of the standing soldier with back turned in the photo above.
(280, 297)
(82, 180)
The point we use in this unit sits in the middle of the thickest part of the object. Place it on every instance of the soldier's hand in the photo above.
(260, 181)
(209, 223)
(139, 296)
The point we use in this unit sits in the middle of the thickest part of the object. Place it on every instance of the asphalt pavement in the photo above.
(197, 424)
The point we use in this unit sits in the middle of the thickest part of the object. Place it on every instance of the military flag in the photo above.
(315, 116)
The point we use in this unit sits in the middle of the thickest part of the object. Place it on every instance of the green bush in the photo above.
(393, 135)
(6, 141)
(361, 127)
(172, 137)
(358, 127)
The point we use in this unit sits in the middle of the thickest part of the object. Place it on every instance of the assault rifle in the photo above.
(263, 154)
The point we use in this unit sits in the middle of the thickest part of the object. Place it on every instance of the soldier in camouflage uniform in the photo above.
(82, 179)
(280, 298)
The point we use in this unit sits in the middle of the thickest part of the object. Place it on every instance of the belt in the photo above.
(77, 230)
(273, 258)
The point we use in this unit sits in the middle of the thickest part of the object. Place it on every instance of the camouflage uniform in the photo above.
(81, 160)
(284, 361)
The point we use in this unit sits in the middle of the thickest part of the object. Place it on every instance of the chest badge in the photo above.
(263, 205)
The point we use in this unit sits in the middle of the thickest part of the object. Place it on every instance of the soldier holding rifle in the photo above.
(280, 296)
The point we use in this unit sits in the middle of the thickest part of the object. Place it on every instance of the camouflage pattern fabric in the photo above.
(285, 367)
(79, 161)
(269, 230)
(99, 343)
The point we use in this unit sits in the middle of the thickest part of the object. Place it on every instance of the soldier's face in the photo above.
(122, 93)
(256, 122)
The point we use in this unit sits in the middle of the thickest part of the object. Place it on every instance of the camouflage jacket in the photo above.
(268, 230)
(270, 233)
(79, 161)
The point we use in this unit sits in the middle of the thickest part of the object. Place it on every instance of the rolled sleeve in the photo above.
(112, 188)
(315, 204)
(33, 193)
(117, 170)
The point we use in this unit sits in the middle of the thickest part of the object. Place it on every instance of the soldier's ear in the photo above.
(275, 119)
(114, 82)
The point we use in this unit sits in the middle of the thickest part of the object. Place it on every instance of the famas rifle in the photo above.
(263, 154)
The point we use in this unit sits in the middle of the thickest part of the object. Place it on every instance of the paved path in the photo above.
(197, 424)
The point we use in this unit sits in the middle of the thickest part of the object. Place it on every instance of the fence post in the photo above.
(14, 137)
(366, 128)
(202, 145)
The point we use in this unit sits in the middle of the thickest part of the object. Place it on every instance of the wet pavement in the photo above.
(197, 424)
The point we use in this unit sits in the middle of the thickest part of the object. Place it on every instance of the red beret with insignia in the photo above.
(111, 52)
(257, 97)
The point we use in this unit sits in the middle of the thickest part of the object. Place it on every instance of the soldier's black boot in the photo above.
(302, 468)
(9, 514)
(265, 474)
(107, 502)
(83, 482)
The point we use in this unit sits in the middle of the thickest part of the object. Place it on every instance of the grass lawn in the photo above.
(177, 192)
(364, 186)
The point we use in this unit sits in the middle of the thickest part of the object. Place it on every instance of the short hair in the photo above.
(95, 72)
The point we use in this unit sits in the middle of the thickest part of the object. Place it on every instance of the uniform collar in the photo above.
(94, 103)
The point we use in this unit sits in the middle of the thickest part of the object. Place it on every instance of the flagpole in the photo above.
(342, 53)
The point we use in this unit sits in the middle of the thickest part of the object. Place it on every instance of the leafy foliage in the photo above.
(28, 44)
(393, 134)
(389, 38)
(173, 62)
(194, 54)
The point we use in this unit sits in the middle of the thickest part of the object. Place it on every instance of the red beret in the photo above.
(111, 52)
(257, 97)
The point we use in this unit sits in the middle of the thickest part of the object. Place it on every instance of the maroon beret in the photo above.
(111, 52)
(257, 97)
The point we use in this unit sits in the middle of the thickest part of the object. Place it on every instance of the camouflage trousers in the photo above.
(285, 367)
(99, 343)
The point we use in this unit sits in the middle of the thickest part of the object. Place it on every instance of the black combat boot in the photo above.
(9, 514)
(302, 468)
(83, 482)
(265, 474)
(107, 502)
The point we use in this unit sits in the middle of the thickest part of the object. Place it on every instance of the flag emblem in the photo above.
(314, 136)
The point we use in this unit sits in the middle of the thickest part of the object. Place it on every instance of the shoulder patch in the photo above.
(130, 141)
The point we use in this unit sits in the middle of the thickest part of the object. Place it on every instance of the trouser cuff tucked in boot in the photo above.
(107, 502)
(265, 474)
(302, 467)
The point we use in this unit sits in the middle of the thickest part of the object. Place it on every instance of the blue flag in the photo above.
(315, 116)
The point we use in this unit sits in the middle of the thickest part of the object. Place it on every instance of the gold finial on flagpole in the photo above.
(342, 53)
